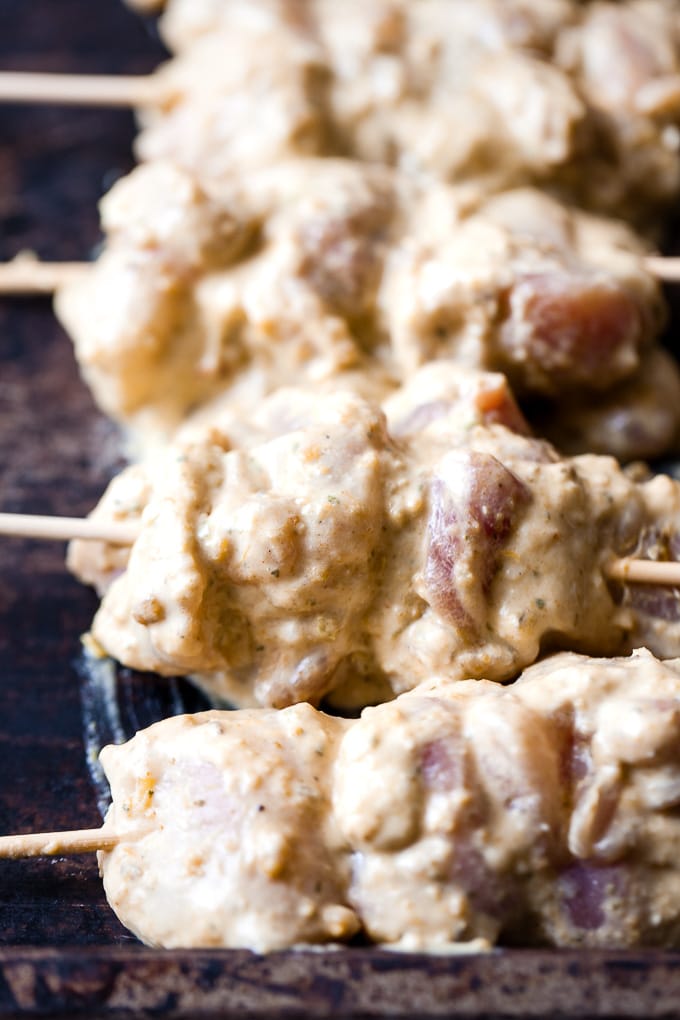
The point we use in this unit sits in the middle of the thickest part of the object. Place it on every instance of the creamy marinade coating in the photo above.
(541, 813)
(620, 719)
(237, 807)
(328, 272)
(325, 548)
(581, 98)
(382, 82)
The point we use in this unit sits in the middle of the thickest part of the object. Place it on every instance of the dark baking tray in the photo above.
(62, 952)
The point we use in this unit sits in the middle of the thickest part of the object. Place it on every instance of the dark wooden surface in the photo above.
(56, 454)
(359, 984)
(62, 953)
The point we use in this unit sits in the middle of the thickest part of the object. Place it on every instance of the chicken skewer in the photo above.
(280, 558)
(544, 812)
(397, 83)
(335, 273)
(67, 529)
(602, 82)
(342, 274)
(29, 276)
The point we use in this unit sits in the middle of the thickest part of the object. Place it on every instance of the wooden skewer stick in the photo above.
(63, 529)
(664, 267)
(26, 275)
(635, 571)
(79, 89)
(56, 844)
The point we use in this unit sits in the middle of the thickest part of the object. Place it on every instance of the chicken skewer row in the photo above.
(340, 274)
(584, 99)
(324, 550)
(541, 813)
(67, 529)
(285, 282)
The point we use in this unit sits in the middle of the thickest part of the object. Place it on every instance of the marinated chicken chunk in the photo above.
(625, 61)
(632, 421)
(447, 799)
(620, 727)
(581, 98)
(335, 273)
(541, 813)
(557, 299)
(352, 545)
(159, 328)
(228, 834)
